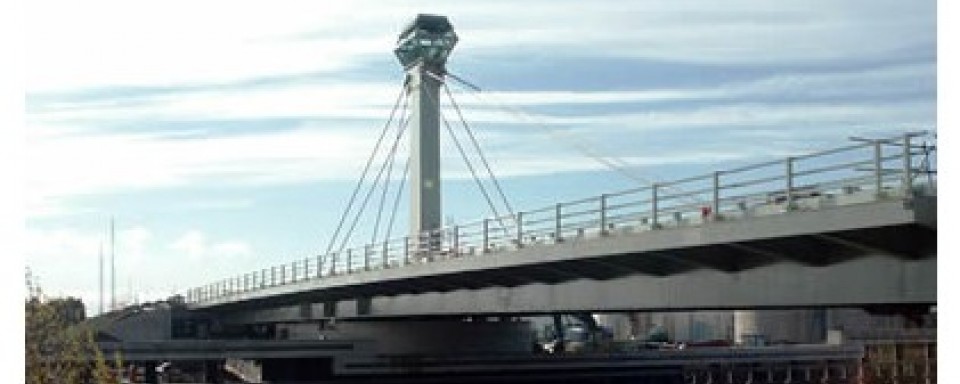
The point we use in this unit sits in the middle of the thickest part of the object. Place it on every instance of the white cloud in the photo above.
(70, 165)
(102, 43)
(192, 244)
(371, 101)
(745, 32)
(195, 245)
(66, 161)
(109, 43)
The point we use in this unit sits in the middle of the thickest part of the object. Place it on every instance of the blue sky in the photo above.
(227, 137)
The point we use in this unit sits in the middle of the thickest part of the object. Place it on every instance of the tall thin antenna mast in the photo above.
(100, 276)
(113, 270)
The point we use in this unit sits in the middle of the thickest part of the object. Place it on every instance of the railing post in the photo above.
(319, 266)
(558, 223)
(603, 214)
(716, 194)
(385, 256)
(878, 168)
(907, 167)
(519, 229)
(456, 240)
(486, 235)
(273, 276)
(789, 174)
(406, 250)
(349, 261)
(366, 257)
(283, 274)
(293, 272)
(653, 206)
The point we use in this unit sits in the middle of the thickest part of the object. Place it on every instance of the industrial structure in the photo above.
(792, 270)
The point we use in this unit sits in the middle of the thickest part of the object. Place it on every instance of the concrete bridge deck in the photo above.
(835, 236)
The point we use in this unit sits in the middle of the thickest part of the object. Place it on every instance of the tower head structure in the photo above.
(423, 48)
(427, 40)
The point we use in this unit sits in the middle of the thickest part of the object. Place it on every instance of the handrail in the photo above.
(638, 209)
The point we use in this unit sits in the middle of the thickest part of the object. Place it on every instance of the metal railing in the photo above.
(857, 173)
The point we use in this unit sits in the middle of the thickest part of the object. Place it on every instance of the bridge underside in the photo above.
(877, 253)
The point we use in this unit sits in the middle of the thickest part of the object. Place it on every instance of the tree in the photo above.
(58, 345)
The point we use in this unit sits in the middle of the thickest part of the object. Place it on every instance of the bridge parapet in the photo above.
(868, 171)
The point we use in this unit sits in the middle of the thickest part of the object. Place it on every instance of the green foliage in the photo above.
(59, 348)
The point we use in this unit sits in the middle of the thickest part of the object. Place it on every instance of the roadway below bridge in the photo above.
(881, 251)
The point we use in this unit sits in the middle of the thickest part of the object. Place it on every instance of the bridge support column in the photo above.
(745, 328)
(559, 329)
(150, 372)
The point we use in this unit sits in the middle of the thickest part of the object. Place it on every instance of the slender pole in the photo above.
(486, 235)
(653, 205)
(603, 214)
(366, 257)
(100, 274)
(907, 183)
(789, 175)
(456, 240)
(558, 231)
(113, 270)
(519, 229)
(878, 168)
(716, 193)
(385, 256)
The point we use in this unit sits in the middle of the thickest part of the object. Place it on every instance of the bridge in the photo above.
(851, 226)
(794, 232)
(791, 232)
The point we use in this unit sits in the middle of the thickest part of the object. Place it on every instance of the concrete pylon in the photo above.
(422, 48)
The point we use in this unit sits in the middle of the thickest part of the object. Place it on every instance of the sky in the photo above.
(224, 137)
